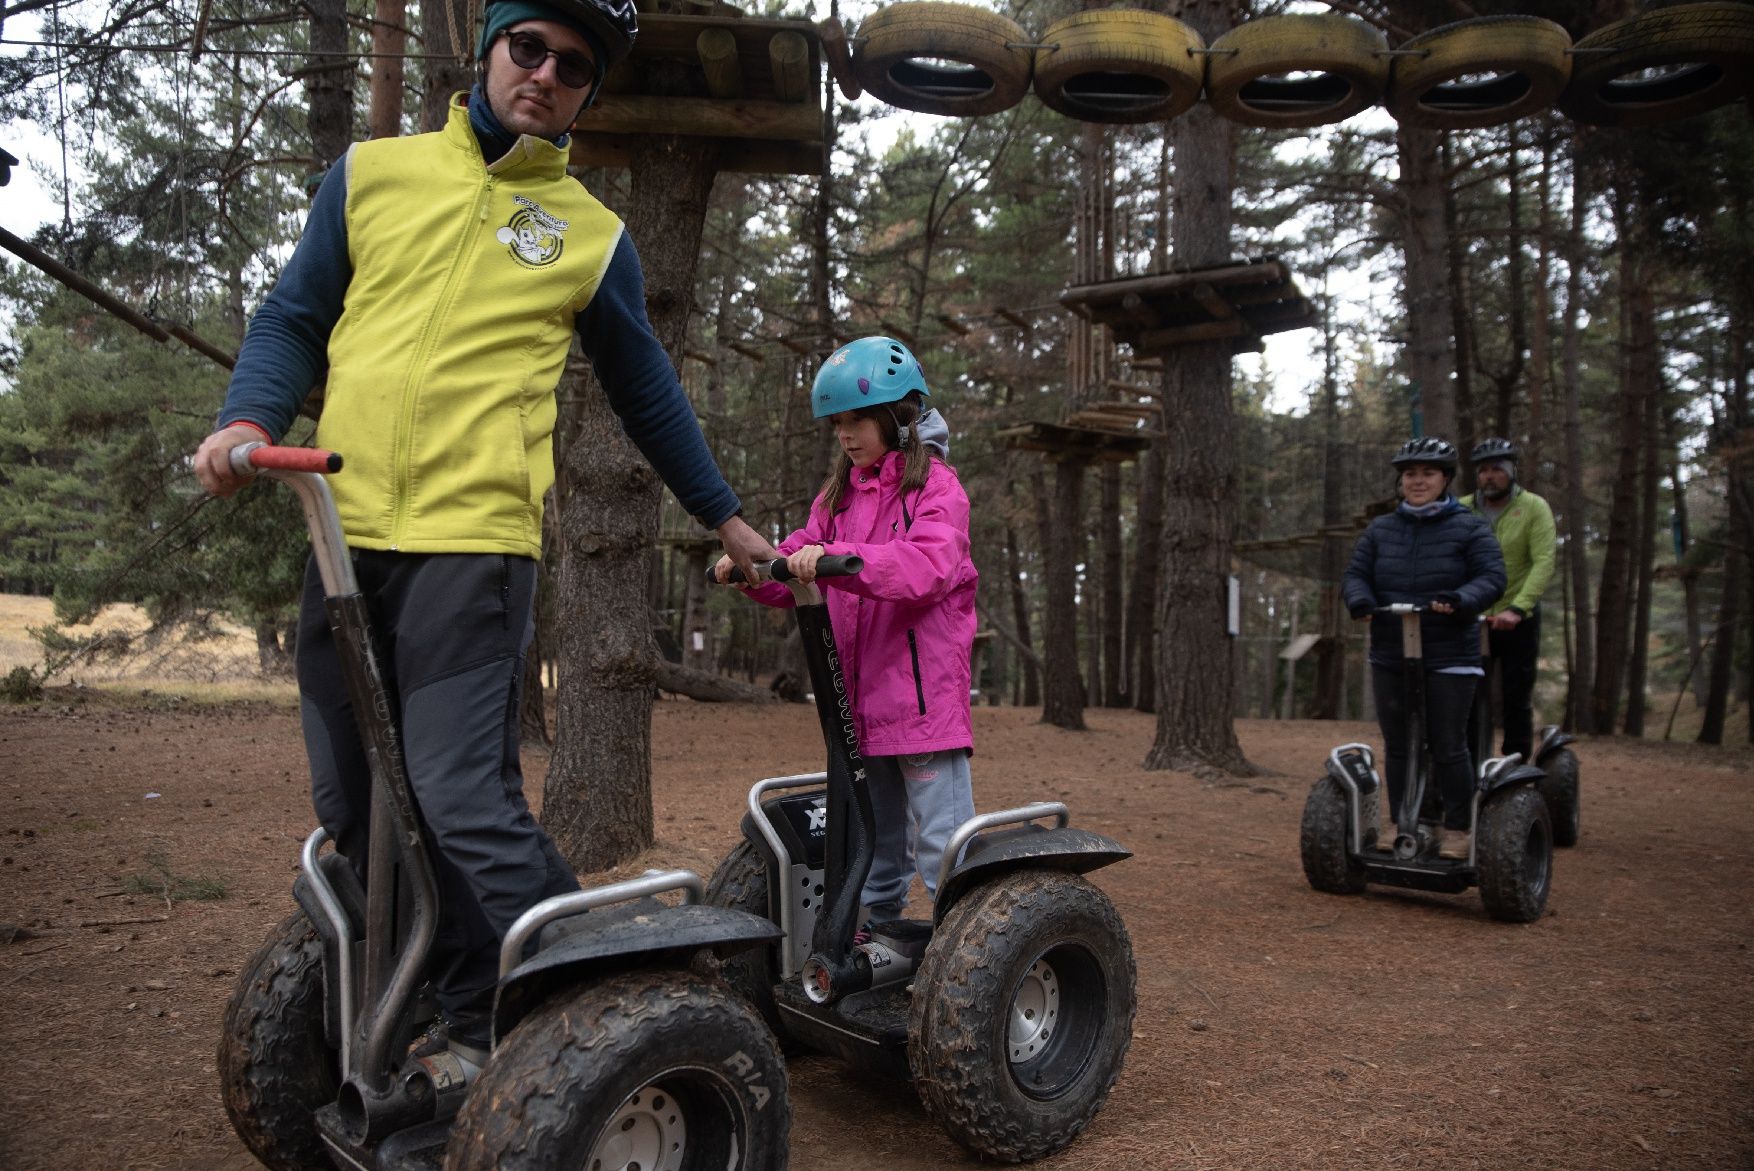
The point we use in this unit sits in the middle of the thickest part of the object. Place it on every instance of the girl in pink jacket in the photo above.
(905, 625)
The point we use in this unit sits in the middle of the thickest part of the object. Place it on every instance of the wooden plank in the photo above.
(753, 156)
(1171, 283)
(703, 118)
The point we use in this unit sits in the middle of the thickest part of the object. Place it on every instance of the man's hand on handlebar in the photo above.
(743, 548)
(213, 458)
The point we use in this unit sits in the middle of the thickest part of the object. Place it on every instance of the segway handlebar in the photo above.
(776, 570)
(1401, 608)
(249, 458)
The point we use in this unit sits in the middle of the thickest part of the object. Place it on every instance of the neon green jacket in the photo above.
(454, 333)
(1526, 533)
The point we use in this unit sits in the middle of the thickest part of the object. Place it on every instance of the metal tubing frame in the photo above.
(980, 821)
(337, 917)
(758, 815)
(1339, 773)
(653, 882)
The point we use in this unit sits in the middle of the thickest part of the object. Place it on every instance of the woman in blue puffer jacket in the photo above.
(1430, 551)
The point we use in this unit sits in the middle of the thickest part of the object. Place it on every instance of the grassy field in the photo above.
(212, 669)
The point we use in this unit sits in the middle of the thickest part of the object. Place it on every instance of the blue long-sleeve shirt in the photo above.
(285, 350)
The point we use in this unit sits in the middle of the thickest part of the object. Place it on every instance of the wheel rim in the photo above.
(1537, 857)
(1055, 1021)
(648, 1133)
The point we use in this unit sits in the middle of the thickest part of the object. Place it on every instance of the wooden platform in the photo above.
(1239, 302)
(1069, 440)
(759, 90)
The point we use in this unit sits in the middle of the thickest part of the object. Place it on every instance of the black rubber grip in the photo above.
(776, 570)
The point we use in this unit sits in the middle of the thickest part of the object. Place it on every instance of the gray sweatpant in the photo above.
(451, 630)
(917, 806)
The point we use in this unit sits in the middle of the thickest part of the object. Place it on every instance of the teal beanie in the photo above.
(506, 13)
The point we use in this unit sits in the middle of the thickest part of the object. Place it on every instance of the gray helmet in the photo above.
(1493, 448)
(1429, 449)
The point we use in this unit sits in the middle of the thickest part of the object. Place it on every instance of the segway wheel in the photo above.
(1514, 855)
(1328, 863)
(1560, 788)
(740, 884)
(276, 1066)
(660, 1070)
(1022, 1013)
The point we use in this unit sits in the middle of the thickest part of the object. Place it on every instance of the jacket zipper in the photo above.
(913, 650)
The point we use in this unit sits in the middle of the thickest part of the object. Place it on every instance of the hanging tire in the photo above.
(1119, 65)
(1022, 1013)
(1246, 70)
(1513, 853)
(740, 884)
(1481, 72)
(659, 1069)
(1668, 64)
(276, 1066)
(1559, 788)
(941, 58)
(1328, 863)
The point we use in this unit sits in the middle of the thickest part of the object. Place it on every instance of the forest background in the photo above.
(1584, 291)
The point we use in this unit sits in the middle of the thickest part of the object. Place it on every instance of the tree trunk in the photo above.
(1031, 673)
(1196, 661)
(389, 42)
(598, 801)
(329, 83)
(1114, 690)
(1147, 563)
(1638, 333)
(1576, 528)
(1645, 564)
(450, 51)
(1330, 682)
(1429, 356)
(1063, 701)
(1723, 649)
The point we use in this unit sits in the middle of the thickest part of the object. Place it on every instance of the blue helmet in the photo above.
(864, 373)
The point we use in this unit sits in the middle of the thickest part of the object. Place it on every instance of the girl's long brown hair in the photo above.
(891, 417)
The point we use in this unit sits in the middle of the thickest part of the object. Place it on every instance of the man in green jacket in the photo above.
(1523, 524)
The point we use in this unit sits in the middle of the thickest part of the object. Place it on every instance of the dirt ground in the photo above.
(1277, 1027)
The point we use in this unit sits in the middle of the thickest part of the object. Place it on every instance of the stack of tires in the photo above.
(1120, 65)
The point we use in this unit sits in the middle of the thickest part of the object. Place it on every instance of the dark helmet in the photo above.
(1439, 453)
(1493, 448)
(610, 25)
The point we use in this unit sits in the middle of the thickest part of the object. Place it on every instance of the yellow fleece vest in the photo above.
(452, 337)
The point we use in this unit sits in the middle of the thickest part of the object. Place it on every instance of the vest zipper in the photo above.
(403, 472)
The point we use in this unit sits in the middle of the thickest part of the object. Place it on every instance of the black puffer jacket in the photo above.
(1451, 556)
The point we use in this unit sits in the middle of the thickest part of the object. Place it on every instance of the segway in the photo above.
(1553, 755)
(614, 1046)
(1011, 1009)
(1510, 855)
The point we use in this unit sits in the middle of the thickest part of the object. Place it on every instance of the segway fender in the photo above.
(1552, 740)
(1031, 847)
(1508, 774)
(641, 933)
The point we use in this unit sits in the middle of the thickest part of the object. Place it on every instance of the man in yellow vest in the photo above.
(1523, 524)
(435, 290)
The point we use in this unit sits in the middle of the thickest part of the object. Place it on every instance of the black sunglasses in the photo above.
(528, 51)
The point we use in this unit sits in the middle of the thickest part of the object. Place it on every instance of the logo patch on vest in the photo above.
(533, 236)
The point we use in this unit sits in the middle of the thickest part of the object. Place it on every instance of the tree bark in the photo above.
(389, 41)
(1429, 356)
(598, 801)
(330, 83)
(1147, 564)
(1063, 698)
(1031, 672)
(709, 686)
(1576, 528)
(1114, 691)
(1645, 563)
(450, 50)
(1196, 663)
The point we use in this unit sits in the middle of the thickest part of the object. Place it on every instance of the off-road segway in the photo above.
(1011, 1009)
(1511, 853)
(1553, 755)
(614, 1046)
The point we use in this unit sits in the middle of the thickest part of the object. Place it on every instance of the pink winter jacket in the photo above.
(905, 625)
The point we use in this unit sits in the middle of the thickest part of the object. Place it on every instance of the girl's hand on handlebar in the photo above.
(722, 572)
(803, 563)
